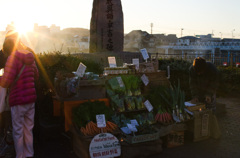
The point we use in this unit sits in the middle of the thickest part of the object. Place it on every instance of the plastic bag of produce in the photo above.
(117, 85)
(129, 103)
(110, 92)
(150, 118)
(72, 85)
(118, 103)
(139, 102)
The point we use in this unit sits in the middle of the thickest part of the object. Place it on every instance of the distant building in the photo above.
(54, 29)
(10, 27)
(162, 39)
(41, 29)
(189, 47)
(138, 39)
(84, 44)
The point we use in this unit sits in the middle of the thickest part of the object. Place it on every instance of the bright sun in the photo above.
(23, 28)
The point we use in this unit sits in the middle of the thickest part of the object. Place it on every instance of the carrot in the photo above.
(91, 126)
(88, 129)
(83, 130)
(108, 125)
(112, 125)
(156, 116)
(110, 130)
(105, 130)
(95, 128)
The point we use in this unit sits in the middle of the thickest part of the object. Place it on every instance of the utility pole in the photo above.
(151, 27)
(181, 31)
(221, 34)
(232, 32)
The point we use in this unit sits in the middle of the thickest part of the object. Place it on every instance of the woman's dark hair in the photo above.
(3, 59)
(10, 42)
(8, 46)
(199, 64)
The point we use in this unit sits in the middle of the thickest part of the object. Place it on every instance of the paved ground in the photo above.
(56, 145)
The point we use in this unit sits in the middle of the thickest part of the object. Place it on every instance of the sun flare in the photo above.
(22, 29)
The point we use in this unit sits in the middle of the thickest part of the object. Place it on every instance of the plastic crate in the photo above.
(142, 138)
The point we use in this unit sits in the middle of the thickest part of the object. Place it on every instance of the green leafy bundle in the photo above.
(132, 84)
(87, 111)
(159, 97)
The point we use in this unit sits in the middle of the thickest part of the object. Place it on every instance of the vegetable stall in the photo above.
(124, 110)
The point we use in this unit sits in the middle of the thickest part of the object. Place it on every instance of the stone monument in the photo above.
(106, 28)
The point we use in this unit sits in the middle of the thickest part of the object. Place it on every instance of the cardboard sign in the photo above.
(104, 145)
(101, 122)
(144, 53)
(112, 62)
(205, 125)
(148, 105)
(136, 63)
(81, 70)
(145, 79)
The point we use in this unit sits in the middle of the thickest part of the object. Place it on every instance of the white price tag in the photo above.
(144, 53)
(101, 122)
(145, 80)
(126, 130)
(112, 62)
(81, 70)
(134, 122)
(148, 105)
(136, 63)
(120, 81)
(132, 128)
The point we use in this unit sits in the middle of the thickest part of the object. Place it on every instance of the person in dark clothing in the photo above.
(203, 81)
(5, 117)
(3, 59)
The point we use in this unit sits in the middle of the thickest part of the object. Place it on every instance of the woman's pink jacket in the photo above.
(23, 91)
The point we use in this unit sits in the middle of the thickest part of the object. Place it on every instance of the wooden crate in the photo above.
(155, 79)
(80, 143)
(142, 138)
(87, 89)
(175, 138)
(201, 127)
(64, 107)
(139, 150)
(197, 107)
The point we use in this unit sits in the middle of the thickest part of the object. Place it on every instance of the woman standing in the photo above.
(22, 93)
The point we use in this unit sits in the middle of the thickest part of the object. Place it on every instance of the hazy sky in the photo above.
(167, 16)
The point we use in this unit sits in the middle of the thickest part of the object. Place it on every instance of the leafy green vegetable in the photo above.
(87, 111)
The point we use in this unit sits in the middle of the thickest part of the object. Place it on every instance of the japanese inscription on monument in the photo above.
(106, 29)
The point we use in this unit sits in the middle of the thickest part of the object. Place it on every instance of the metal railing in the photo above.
(227, 59)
